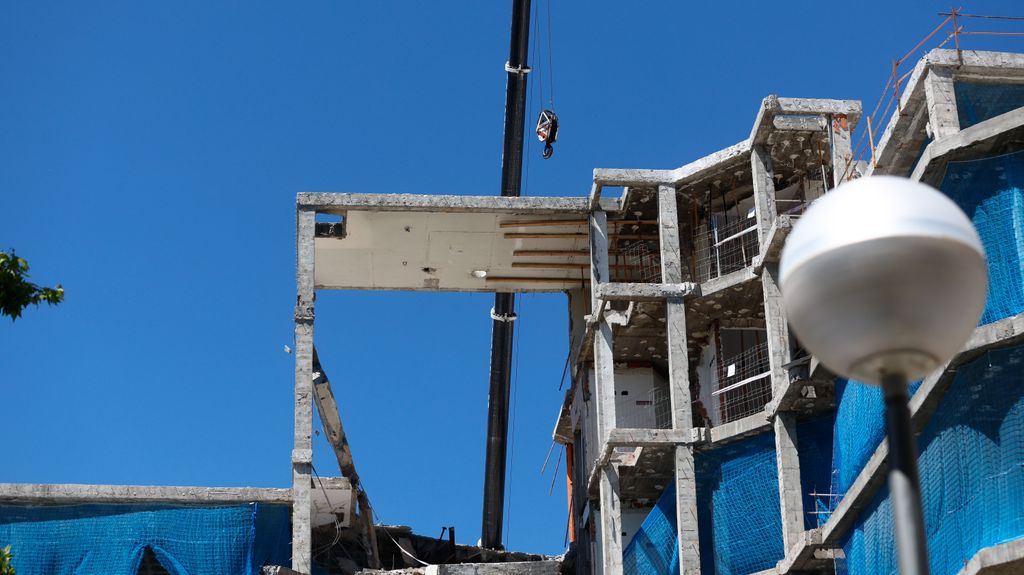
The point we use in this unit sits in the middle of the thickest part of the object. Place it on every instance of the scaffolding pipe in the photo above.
(502, 329)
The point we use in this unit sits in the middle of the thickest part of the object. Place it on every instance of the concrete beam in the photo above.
(729, 280)
(745, 427)
(646, 292)
(647, 438)
(302, 453)
(711, 163)
(799, 123)
(65, 494)
(966, 143)
(771, 247)
(1002, 559)
(521, 205)
(330, 420)
(513, 568)
(943, 120)
(630, 177)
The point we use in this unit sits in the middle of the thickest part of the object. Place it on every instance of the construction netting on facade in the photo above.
(859, 430)
(991, 192)
(814, 445)
(111, 539)
(738, 507)
(654, 548)
(977, 102)
(737, 515)
(972, 473)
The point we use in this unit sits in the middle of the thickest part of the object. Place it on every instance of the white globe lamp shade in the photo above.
(883, 275)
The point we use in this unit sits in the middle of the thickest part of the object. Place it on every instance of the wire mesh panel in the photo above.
(744, 383)
(723, 246)
(641, 263)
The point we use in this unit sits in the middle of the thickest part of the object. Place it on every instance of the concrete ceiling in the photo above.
(437, 251)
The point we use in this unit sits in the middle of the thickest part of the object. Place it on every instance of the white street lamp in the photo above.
(883, 280)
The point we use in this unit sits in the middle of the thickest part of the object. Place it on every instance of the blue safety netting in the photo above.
(977, 102)
(859, 430)
(738, 517)
(990, 192)
(654, 548)
(111, 539)
(814, 446)
(972, 473)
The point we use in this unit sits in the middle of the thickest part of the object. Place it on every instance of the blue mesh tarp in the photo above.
(814, 445)
(738, 507)
(979, 102)
(972, 473)
(738, 516)
(859, 429)
(654, 549)
(990, 192)
(111, 539)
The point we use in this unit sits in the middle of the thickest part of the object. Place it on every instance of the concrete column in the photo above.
(764, 191)
(679, 383)
(841, 152)
(790, 491)
(943, 118)
(779, 353)
(604, 392)
(302, 454)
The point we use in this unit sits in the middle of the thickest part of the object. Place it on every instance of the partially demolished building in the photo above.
(700, 436)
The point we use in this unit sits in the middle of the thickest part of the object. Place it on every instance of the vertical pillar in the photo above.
(779, 353)
(764, 191)
(302, 453)
(790, 492)
(679, 383)
(841, 152)
(943, 117)
(604, 376)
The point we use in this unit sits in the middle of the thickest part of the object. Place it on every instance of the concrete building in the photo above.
(701, 437)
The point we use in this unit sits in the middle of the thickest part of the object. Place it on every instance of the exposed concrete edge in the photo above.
(994, 556)
(546, 567)
(61, 494)
(907, 114)
(771, 251)
(1001, 333)
(645, 291)
(734, 430)
(523, 205)
(732, 279)
(979, 133)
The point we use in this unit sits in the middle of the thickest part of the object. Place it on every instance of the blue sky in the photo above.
(149, 160)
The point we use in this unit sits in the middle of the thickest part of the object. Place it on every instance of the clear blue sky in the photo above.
(149, 160)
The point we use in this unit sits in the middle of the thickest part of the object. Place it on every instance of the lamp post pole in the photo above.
(904, 481)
